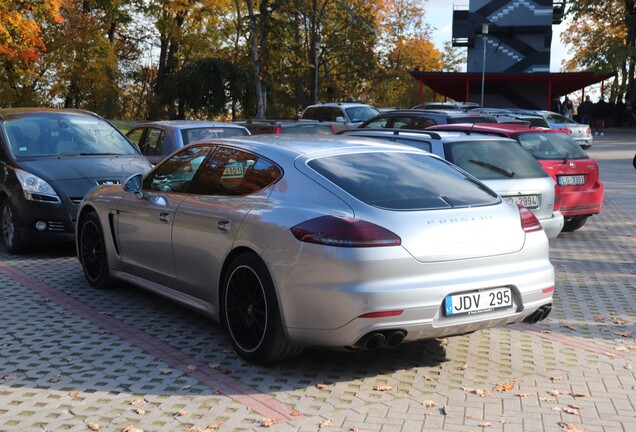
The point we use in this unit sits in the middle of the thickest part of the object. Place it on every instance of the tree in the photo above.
(21, 46)
(603, 34)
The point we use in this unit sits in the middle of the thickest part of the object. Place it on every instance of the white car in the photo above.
(344, 115)
(294, 241)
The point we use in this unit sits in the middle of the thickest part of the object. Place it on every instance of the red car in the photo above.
(576, 175)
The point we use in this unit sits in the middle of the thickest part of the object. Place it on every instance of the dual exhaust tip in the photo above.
(381, 339)
(539, 315)
(393, 338)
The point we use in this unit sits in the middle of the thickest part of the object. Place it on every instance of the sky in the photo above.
(439, 13)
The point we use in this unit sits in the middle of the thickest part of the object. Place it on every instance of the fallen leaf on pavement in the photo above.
(321, 386)
(485, 424)
(296, 413)
(267, 422)
(93, 426)
(570, 427)
(522, 395)
(181, 413)
(213, 426)
(629, 366)
(140, 411)
(579, 394)
(619, 321)
(430, 404)
(554, 392)
(137, 402)
(479, 392)
(463, 366)
(557, 378)
(74, 394)
(573, 411)
(325, 423)
(131, 428)
(383, 388)
(545, 399)
(624, 334)
(507, 386)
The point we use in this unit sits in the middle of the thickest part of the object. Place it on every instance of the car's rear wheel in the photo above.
(92, 252)
(574, 223)
(11, 238)
(250, 312)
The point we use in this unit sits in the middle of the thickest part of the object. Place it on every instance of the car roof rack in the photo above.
(394, 132)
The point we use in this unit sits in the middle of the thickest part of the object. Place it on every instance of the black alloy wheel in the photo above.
(92, 252)
(251, 314)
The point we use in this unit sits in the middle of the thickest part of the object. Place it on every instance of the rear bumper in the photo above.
(582, 202)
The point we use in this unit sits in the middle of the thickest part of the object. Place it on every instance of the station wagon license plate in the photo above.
(528, 201)
(573, 180)
(478, 302)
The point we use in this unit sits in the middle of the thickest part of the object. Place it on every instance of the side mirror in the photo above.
(340, 119)
(133, 184)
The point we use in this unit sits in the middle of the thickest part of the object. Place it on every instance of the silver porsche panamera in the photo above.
(296, 241)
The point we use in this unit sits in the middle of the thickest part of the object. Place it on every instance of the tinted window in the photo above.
(175, 174)
(493, 160)
(403, 181)
(558, 119)
(46, 134)
(233, 172)
(471, 119)
(554, 146)
(379, 122)
(205, 133)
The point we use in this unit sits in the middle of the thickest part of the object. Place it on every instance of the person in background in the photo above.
(567, 108)
(556, 105)
(600, 114)
(585, 111)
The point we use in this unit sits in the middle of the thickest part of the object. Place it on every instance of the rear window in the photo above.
(403, 181)
(205, 133)
(493, 160)
(551, 146)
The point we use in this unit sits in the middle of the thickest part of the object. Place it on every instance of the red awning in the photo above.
(456, 85)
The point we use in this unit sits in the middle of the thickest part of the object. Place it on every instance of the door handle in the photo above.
(224, 225)
(164, 217)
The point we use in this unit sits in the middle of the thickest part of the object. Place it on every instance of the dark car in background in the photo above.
(50, 159)
(417, 119)
(576, 174)
(287, 126)
(156, 140)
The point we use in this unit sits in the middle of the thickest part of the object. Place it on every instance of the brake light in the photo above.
(279, 129)
(588, 131)
(529, 222)
(566, 130)
(344, 232)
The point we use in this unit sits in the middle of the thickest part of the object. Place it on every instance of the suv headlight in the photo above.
(36, 189)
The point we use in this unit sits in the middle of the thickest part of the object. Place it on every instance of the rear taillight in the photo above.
(333, 129)
(279, 129)
(529, 221)
(557, 198)
(344, 232)
(566, 130)
(588, 131)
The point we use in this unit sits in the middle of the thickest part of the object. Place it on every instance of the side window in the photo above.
(153, 144)
(233, 172)
(176, 173)
(135, 136)
(334, 113)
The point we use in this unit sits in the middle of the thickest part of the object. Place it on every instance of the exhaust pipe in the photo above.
(394, 339)
(373, 341)
(539, 315)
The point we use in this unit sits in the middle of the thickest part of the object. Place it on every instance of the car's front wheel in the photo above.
(92, 252)
(250, 312)
(11, 238)
(574, 223)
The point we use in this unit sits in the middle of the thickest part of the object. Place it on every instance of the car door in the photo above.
(144, 223)
(232, 183)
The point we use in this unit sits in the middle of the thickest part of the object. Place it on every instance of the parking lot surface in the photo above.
(76, 359)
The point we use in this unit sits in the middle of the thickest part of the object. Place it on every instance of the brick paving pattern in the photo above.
(73, 358)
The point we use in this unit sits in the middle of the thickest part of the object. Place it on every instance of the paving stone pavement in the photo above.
(77, 359)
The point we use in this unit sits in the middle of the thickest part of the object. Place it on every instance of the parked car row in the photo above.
(287, 240)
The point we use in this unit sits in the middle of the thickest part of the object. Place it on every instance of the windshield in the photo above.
(554, 146)
(54, 134)
(493, 160)
(403, 181)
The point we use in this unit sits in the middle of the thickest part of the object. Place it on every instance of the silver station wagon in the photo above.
(331, 241)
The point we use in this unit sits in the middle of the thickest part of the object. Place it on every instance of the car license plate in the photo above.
(573, 180)
(478, 302)
(528, 201)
